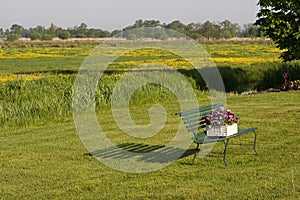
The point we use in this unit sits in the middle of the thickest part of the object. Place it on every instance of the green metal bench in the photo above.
(194, 121)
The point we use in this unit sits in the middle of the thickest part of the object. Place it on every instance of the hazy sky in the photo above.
(116, 14)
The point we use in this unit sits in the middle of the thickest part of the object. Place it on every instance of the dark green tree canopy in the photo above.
(17, 29)
(280, 21)
(64, 35)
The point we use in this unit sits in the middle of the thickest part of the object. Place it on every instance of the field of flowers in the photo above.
(243, 54)
(42, 52)
(36, 82)
(224, 54)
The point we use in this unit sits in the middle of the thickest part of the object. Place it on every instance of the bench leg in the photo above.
(195, 154)
(254, 144)
(225, 150)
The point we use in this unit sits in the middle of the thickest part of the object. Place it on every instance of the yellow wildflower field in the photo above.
(223, 54)
(43, 52)
(26, 77)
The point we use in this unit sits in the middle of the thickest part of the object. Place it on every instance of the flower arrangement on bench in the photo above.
(289, 85)
(221, 122)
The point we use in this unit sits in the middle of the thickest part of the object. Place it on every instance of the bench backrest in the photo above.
(194, 120)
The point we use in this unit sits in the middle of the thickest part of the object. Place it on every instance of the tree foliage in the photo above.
(17, 29)
(1, 33)
(35, 35)
(251, 30)
(47, 37)
(208, 30)
(12, 37)
(280, 21)
(64, 35)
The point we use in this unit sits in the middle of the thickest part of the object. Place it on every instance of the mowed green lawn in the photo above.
(50, 162)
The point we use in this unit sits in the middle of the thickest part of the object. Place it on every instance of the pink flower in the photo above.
(208, 118)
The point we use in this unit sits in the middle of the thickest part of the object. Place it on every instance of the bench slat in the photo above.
(197, 116)
(198, 120)
(195, 128)
(201, 109)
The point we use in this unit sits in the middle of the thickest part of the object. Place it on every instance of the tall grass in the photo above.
(24, 103)
(49, 99)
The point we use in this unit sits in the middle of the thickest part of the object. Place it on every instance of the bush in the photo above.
(64, 35)
(47, 37)
(35, 35)
(12, 37)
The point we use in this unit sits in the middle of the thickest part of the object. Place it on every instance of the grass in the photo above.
(42, 156)
(28, 102)
(50, 162)
(34, 65)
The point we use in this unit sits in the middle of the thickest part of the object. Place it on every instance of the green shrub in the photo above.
(64, 35)
(35, 35)
(47, 37)
(12, 37)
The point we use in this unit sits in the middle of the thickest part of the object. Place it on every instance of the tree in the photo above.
(80, 31)
(115, 33)
(17, 29)
(138, 23)
(35, 35)
(39, 29)
(251, 30)
(47, 37)
(12, 37)
(151, 23)
(83, 26)
(177, 26)
(1, 33)
(280, 21)
(207, 30)
(193, 30)
(64, 35)
(228, 29)
(96, 33)
(6, 32)
(58, 31)
(52, 29)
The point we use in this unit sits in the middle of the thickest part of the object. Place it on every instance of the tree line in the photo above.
(207, 30)
(41, 33)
